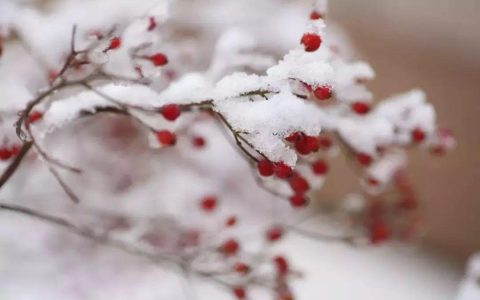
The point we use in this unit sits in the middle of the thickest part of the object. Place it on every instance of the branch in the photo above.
(15, 163)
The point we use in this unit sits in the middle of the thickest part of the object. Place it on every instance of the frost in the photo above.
(65, 110)
(191, 88)
(308, 67)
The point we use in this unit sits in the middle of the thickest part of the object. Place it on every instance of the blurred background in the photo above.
(433, 45)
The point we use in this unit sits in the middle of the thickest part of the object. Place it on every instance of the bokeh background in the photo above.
(434, 45)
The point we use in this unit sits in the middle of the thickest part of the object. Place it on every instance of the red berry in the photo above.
(418, 135)
(274, 233)
(379, 232)
(239, 292)
(315, 15)
(208, 203)
(360, 108)
(364, 159)
(306, 144)
(311, 41)
(198, 142)
(230, 247)
(231, 221)
(298, 184)
(241, 268)
(115, 43)
(265, 168)
(323, 92)
(298, 201)
(152, 24)
(34, 116)
(15, 149)
(320, 167)
(437, 149)
(158, 59)
(170, 111)
(281, 265)
(166, 137)
(292, 138)
(324, 142)
(312, 143)
(372, 181)
(282, 170)
(5, 154)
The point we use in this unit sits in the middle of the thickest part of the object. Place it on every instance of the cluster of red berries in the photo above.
(304, 145)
